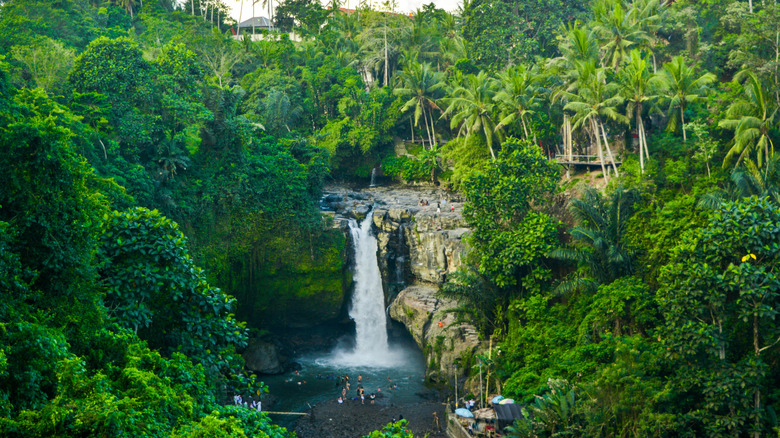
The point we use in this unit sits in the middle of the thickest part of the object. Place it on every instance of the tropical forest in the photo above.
(214, 212)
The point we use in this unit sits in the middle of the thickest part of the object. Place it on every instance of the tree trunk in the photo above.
(609, 151)
(777, 58)
(433, 130)
(644, 141)
(488, 141)
(240, 13)
(757, 394)
(193, 7)
(427, 130)
(639, 136)
(655, 69)
(682, 123)
(525, 130)
(411, 127)
(387, 62)
(594, 127)
(571, 140)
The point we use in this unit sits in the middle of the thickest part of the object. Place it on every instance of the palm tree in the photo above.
(451, 50)
(648, 15)
(678, 82)
(471, 107)
(240, 13)
(751, 119)
(420, 84)
(420, 36)
(635, 88)
(619, 31)
(752, 181)
(279, 112)
(579, 47)
(746, 181)
(127, 5)
(518, 97)
(603, 251)
(580, 44)
(595, 97)
(381, 47)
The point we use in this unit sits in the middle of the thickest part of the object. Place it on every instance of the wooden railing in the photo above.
(581, 159)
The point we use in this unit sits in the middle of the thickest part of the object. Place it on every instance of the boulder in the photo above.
(263, 357)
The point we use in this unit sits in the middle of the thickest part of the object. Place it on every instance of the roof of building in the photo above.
(256, 22)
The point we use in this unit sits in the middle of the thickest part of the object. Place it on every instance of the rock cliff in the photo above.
(443, 341)
(419, 245)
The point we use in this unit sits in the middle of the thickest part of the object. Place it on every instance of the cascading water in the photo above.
(373, 177)
(368, 306)
(368, 300)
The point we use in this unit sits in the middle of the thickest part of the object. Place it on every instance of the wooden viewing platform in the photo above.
(583, 160)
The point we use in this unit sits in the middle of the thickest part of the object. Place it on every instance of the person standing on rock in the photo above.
(438, 207)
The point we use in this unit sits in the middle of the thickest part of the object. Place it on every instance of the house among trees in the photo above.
(255, 24)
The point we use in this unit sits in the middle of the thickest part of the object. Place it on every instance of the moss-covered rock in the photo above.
(281, 275)
(300, 288)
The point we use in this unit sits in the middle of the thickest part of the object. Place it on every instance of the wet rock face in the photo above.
(419, 245)
(435, 331)
(416, 242)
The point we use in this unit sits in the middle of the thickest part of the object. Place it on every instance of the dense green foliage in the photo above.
(642, 305)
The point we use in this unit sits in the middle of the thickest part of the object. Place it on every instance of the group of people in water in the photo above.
(360, 393)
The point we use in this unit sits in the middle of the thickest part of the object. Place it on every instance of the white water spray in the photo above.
(368, 300)
(368, 306)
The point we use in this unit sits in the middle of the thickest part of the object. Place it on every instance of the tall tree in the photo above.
(471, 108)
(48, 62)
(635, 87)
(595, 97)
(680, 85)
(720, 299)
(518, 98)
(509, 238)
(603, 250)
(218, 53)
(420, 85)
(619, 30)
(751, 118)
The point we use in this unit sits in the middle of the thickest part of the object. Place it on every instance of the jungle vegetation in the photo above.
(145, 152)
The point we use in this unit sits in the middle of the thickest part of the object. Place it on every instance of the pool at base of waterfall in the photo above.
(400, 382)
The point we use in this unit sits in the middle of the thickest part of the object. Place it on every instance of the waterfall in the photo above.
(373, 178)
(368, 300)
(368, 310)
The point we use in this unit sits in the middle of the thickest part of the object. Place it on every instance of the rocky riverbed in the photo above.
(330, 419)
